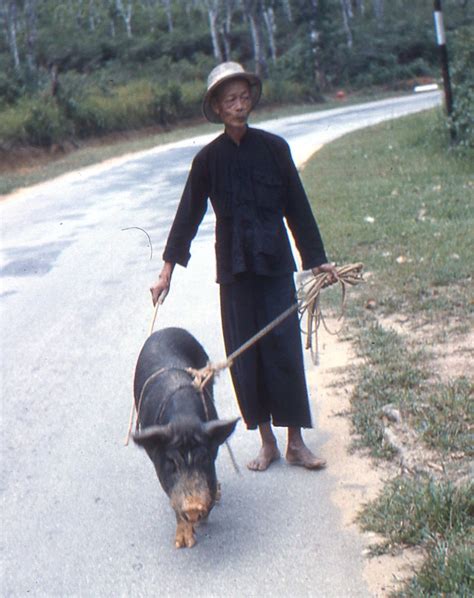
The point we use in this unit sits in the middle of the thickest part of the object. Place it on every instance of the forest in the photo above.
(73, 69)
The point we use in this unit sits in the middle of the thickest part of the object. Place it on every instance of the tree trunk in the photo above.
(31, 34)
(379, 12)
(11, 22)
(250, 7)
(126, 15)
(169, 15)
(360, 6)
(213, 11)
(346, 15)
(92, 15)
(269, 18)
(288, 11)
(315, 36)
(226, 28)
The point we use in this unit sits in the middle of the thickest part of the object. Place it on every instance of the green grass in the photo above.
(444, 418)
(415, 511)
(397, 198)
(447, 571)
(421, 197)
(391, 375)
(437, 516)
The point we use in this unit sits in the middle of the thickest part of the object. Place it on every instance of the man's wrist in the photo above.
(167, 270)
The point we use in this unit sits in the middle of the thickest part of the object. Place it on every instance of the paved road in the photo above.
(81, 514)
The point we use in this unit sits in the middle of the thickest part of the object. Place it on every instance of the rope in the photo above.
(135, 410)
(307, 303)
(200, 379)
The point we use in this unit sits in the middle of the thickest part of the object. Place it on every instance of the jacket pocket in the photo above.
(268, 189)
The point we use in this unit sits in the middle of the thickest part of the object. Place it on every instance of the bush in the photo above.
(462, 76)
(10, 89)
(45, 124)
(12, 121)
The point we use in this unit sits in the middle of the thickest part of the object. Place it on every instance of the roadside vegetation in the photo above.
(400, 199)
(30, 166)
(77, 70)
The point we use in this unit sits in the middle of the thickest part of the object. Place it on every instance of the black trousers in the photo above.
(268, 378)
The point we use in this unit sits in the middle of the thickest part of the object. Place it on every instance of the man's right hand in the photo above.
(160, 289)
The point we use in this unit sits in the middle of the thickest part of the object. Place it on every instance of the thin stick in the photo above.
(130, 424)
(155, 312)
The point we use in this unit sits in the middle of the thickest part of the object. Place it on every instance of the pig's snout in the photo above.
(194, 515)
(195, 510)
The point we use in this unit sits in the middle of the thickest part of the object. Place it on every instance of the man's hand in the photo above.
(330, 269)
(160, 289)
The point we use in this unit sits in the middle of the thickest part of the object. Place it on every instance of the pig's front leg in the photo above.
(184, 534)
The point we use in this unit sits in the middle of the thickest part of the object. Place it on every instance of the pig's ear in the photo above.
(153, 436)
(219, 430)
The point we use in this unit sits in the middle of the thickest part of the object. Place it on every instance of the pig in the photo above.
(179, 426)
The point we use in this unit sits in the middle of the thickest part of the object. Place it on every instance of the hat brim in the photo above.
(255, 93)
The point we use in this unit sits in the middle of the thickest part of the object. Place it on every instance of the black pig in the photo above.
(180, 430)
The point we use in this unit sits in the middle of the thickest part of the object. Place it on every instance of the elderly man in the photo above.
(253, 185)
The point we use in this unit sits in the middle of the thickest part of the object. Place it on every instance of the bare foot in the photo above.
(303, 457)
(268, 453)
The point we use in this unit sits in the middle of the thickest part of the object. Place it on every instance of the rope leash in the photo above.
(308, 303)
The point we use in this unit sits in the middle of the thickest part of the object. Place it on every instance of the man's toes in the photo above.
(253, 465)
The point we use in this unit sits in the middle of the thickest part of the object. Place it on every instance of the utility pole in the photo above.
(443, 53)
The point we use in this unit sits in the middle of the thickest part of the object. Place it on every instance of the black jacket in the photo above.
(253, 187)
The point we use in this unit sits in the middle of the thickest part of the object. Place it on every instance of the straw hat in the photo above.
(225, 72)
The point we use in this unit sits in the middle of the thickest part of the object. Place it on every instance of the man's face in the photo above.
(233, 103)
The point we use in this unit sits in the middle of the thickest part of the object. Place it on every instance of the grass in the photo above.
(415, 511)
(444, 419)
(404, 208)
(448, 571)
(437, 516)
(399, 199)
(390, 376)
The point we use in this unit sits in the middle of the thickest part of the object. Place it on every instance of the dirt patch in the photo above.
(359, 478)
(450, 344)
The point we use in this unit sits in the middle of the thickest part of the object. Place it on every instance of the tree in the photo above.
(314, 37)
(226, 26)
(126, 14)
(379, 12)
(347, 14)
(253, 12)
(212, 7)
(31, 34)
(10, 17)
(269, 18)
(169, 15)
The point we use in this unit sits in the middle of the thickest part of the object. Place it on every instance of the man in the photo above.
(253, 185)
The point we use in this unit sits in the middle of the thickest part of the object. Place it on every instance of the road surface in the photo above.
(81, 514)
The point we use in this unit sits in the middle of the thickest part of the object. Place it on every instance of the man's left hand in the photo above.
(330, 268)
